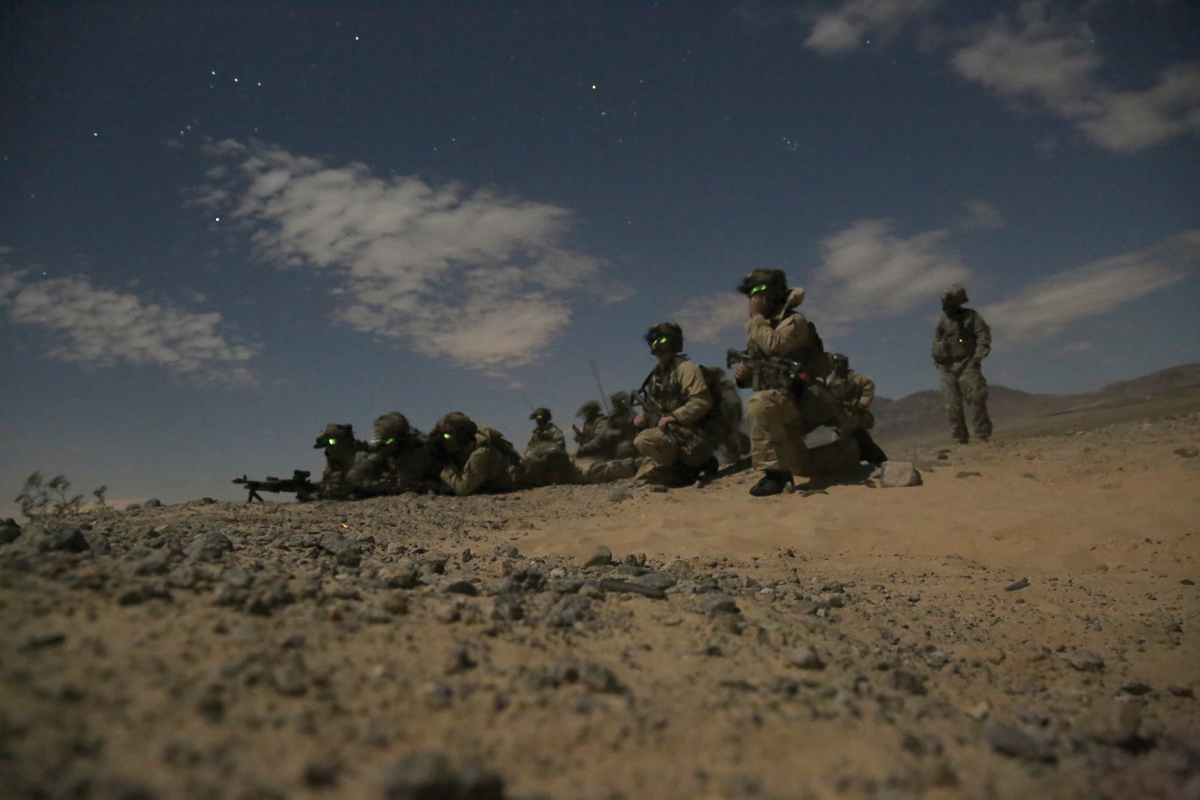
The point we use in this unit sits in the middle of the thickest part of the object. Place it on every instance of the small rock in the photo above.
(1012, 742)
(44, 640)
(805, 657)
(719, 603)
(1086, 661)
(655, 580)
(601, 558)
(507, 608)
(936, 659)
(907, 682)
(211, 546)
(978, 711)
(321, 773)
(153, 502)
(969, 474)
(1017, 585)
(566, 585)
(9, 531)
(430, 776)
(620, 496)
(1112, 722)
(399, 577)
(1180, 691)
(898, 474)
(1185, 452)
(506, 550)
(290, 678)
(1137, 688)
(68, 539)
(462, 587)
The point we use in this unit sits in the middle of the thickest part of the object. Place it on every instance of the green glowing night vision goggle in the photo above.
(762, 287)
(333, 441)
(389, 441)
(447, 436)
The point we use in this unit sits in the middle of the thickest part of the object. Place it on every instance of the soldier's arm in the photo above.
(939, 342)
(471, 477)
(695, 388)
(556, 435)
(788, 338)
(983, 337)
(867, 393)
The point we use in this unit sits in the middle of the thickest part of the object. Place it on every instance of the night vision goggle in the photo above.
(762, 287)
(653, 338)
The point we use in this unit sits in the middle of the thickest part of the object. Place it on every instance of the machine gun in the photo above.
(298, 483)
(771, 372)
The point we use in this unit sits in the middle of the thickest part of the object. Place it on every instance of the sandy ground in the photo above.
(1022, 625)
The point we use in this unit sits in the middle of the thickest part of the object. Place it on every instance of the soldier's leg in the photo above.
(660, 453)
(829, 459)
(776, 432)
(975, 393)
(952, 401)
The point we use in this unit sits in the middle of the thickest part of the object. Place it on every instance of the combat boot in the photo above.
(871, 452)
(772, 482)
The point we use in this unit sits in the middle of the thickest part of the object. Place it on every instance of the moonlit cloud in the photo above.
(101, 328)
(866, 271)
(982, 215)
(855, 22)
(705, 318)
(1051, 60)
(1051, 305)
(477, 276)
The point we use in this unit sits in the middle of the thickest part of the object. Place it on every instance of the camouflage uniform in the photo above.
(546, 460)
(961, 341)
(473, 458)
(399, 460)
(854, 394)
(589, 412)
(778, 420)
(614, 433)
(341, 449)
(682, 391)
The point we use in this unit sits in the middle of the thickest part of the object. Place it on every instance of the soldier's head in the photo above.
(620, 402)
(953, 298)
(665, 338)
(334, 436)
(541, 416)
(454, 431)
(766, 288)
(390, 427)
(589, 410)
(841, 364)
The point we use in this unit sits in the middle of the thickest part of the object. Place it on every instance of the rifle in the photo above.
(650, 407)
(771, 372)
(298, 483)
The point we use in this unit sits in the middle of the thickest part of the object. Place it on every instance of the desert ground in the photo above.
(1023, 624)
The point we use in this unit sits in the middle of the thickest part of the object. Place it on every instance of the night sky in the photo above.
(224, 225)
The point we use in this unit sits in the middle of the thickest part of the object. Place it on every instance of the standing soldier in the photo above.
(961, 341)
(677, 439)
(854, 394)
(779, 416)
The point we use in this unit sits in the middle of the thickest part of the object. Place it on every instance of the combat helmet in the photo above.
(335, 434)
(620, 401)
(772, 281)
(588, 410)
(672, 332)
(454, 426)
(839, 360)
(540, 414)
(391, 426)
(955, 293)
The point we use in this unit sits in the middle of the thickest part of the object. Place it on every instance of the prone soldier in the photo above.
(474, 458)
(399, 460)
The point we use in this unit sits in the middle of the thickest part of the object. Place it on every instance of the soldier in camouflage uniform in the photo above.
(678, 446)
(546, 460)
(474, 458)
(340, 448)
(589, 412)
(961, 341)
(780, 416)
(609, 455)
(399, 460)
(854, 394)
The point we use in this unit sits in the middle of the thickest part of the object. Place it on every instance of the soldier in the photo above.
(854, 394)
(398, 460)
(589, 412)
(474, 458)
(546, 460)
(340, 448)
(679, 444)
(780, 416)
(961, 341)
(614, 433)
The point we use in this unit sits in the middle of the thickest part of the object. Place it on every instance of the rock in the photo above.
(719, 603)
(570, 608)
(527, 580)
(1180, 691)
(430, 776)
(346, 552)
(655, 580)
(1012, 742)
(67, 539)
(211, 546)
(290, 678)
(806, 657)
(399, 577)
(506, 550)
(321, 773)
(969, 474)
(462, 587)
(40, 641)
(1086, 661)
(937, 659)
(898, 474)
(566, 585)
(1017, 585)
(601, 558)
(507, 608)
(153, 502)
(1112, 722)
(620, 495)
(9, 531)
(1185, 452)
(907, 682)
(612, 585)
(433, 562)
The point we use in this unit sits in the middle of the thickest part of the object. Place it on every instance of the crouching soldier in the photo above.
(474, 458)
(854, 394)
(680, 419)
(780, 415)
(546, 460)
(399, 460)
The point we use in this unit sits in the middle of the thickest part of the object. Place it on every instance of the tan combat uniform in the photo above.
(960, 342)
(854, 394)
(777, 420)
(488, 464)
(681, 390)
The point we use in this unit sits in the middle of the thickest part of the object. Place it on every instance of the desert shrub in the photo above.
(40, 497)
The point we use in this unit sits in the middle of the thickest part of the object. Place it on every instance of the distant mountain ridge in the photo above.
(921, 415)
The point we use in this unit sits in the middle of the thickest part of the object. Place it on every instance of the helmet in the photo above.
(540, 414)
(335, 434)
(588, 410)
(672, 332)
(455, 425)
(839, 360)
(620, 400)
(956, 292)
(773, 281)
(391, 426)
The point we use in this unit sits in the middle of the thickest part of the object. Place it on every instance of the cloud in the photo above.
(982, 215)
(866, 271)
(855, 22)
(476, 276)
(704, 318)
(1051, 305)
(1052, 61)
(100, 327)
